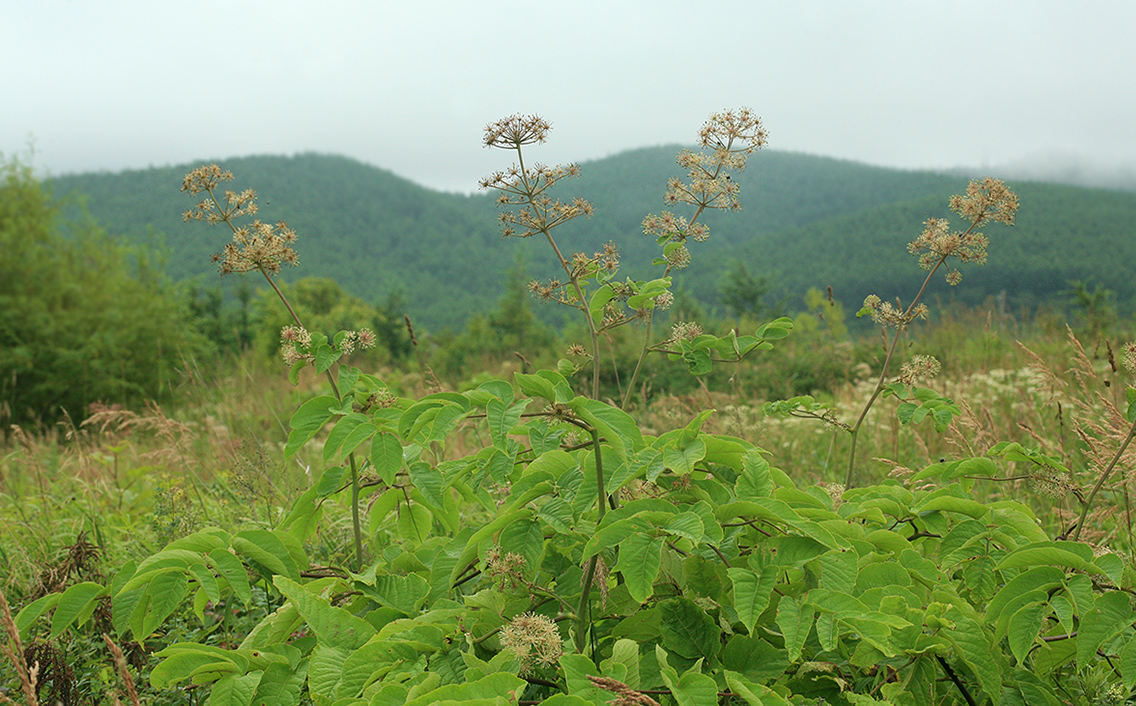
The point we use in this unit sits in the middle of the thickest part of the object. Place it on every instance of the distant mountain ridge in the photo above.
(806, 221)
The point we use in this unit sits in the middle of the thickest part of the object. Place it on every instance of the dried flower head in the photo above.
(730, 136)
(685, 331)
(1129, 360)
(920, 366)
(505, 568)
(986, 200)
(887, 314)
(723, 130)
(259, 246)
(668, 227)
(938, 242)
(516, 130)
(534, 639)
(205, 178)
(1049, 482)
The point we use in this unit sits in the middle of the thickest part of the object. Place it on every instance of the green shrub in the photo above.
(82, 317)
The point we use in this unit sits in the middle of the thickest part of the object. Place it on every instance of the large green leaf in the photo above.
(233, 571)
(795, 622)
(973, 646)
(334, 626)
(267, 549)
(682, 460)
(484, 690)
(1039, 577)
(1111, 615)
(614, 534)
(234, 689)
(403, 593)
(386, 456)
(752, 592)
(1024, 627)
(755, 480)
(308, 420)
(524, 538)
(350, 431)
(325, 669)
(181, 661)
(1033, 555)
(281, 685)
(688, 631)
(640, 557)
(162, 597)
(76, 601)
(616, 426)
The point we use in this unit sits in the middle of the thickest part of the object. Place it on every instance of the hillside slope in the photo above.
(806, 220)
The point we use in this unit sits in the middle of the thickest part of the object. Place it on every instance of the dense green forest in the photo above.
(806, 222)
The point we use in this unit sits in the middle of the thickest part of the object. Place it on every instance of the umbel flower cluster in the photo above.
(296, 343)
(988, 200)
(730, 137)
(258, 246)
(526, 187)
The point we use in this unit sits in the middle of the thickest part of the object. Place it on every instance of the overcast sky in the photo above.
(408, 86)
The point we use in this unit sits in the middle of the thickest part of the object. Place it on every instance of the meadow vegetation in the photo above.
(648, 506)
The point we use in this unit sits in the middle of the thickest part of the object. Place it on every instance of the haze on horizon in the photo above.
(1024, 86)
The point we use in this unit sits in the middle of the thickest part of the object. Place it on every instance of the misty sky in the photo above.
(408, 86)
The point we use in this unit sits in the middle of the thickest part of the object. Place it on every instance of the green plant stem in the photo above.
(582, 622)
(1088, 503)
(546, 229)
(957, 682)
(651, 319)
(855, 430)
(356, 523)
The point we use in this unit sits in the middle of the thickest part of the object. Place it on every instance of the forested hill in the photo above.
(806, 221)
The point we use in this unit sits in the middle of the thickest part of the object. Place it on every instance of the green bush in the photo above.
(82, 317)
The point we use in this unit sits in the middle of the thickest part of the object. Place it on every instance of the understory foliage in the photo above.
(525, 541)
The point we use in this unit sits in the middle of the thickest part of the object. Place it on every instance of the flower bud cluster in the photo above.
(535, 639)
(887, 314)
(920, 366)
(258, 246)
(685, 331)
(668, 227)
(1129, 359)
(296, 343)
(730, 136)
